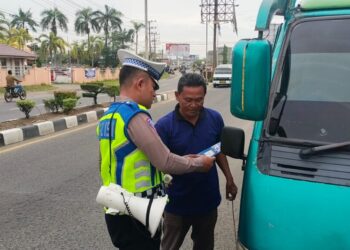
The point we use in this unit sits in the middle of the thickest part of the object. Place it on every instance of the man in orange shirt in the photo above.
(10, 81)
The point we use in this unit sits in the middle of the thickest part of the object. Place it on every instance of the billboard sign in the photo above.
(177, 49)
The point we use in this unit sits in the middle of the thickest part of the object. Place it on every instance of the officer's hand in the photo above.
(207, 163)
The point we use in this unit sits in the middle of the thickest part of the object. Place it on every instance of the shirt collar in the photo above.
(180, 117)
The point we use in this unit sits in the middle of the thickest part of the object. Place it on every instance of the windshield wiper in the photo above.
(308, 152)
(290, 141)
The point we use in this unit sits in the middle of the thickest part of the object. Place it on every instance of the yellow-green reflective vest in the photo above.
(121, 161)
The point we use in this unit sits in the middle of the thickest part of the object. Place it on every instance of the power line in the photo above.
(7, 13)
(96, 4)
(35, 1)
(73, 4)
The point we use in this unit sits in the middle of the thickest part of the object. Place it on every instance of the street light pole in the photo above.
(146, 30)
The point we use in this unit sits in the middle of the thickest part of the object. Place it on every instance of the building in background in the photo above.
(224, 55)
(16, 60)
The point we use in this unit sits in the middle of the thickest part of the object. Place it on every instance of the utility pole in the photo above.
(154, 41)
(146, 31)
(150, 34)
(206, 41)
(149, 40)
(215, 60)
(217, 11)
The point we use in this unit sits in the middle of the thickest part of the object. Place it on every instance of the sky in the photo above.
(176, 21)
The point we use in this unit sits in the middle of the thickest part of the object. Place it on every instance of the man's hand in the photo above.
(231, 190)
(207, 163)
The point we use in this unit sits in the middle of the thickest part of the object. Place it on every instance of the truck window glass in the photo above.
(313, 101)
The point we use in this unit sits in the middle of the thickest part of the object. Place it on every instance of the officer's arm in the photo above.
(142, 132)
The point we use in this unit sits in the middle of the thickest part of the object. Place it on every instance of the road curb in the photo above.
(164, 96)
(16, 135)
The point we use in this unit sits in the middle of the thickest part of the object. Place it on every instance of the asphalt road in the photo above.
(9, 111)
(48, 187)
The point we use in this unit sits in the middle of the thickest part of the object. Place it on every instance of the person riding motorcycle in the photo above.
(183, 69)
(10, 82)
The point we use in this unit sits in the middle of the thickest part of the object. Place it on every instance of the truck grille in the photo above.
(333, 168)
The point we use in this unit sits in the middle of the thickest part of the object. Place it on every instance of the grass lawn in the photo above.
(35, 88)
(110, 82)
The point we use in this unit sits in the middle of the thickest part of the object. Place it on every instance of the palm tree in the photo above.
(52, 18)
(120, 39)
(2, 17)
(18, 38)
(96, 48)
(109, 20)
(51, 44)
(77, 52)
(85, 20)
(4, 28)
(23, 19)
(137, 27)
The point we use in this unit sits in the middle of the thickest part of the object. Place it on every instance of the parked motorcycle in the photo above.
(16, 91)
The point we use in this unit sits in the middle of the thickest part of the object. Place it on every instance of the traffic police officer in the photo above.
(132, 154)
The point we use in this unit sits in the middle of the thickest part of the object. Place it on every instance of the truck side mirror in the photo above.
(251, 67)
(232, 142)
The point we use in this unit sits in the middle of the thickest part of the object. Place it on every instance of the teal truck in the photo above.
(296, 186)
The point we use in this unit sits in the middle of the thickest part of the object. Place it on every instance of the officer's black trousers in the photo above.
(130, 234)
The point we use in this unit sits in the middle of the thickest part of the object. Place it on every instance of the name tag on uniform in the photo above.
(212, 151)
(104, 128)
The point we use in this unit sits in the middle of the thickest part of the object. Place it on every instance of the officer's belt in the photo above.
(155, 192)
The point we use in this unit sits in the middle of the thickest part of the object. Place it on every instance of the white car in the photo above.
(222, 75)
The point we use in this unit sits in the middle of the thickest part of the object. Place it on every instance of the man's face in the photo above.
(191, 101)
(147, 89)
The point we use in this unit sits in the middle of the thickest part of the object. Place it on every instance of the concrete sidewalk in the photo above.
(16, 135)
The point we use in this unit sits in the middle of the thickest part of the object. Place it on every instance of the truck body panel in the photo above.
(291, 202)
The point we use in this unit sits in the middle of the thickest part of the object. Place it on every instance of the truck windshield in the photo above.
(312, 101)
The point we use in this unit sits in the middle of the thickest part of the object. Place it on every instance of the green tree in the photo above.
(110, 19)
(52, 18)
(225, 55)
(51, 44)
(4, 28)
(122, 38)
(137, 27)
(23, 20)
(96, 48)
(79, 52)
(85, 21)
(18, 38)
(35, 47)
(75, 52)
